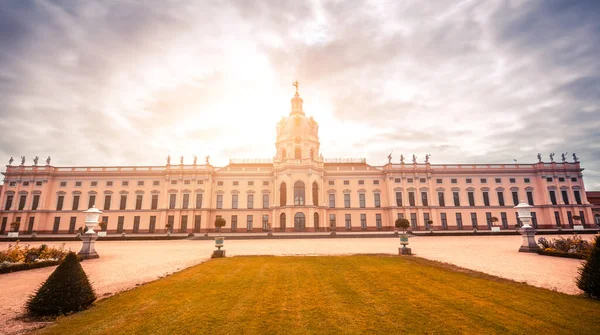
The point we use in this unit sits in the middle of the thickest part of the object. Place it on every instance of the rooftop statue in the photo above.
(169, 160)
(207, 160)
(563, 156)
(390, 158)
(575, 158)
(401, 159)
(414, 159)
(195, 159)
(539, 158)
(48, 160)
(35, 160)
(427, 158)
(10, 160)
(552, 157)
(22, 160)
(181, 159)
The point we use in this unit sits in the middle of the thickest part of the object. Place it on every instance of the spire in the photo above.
(296, 101)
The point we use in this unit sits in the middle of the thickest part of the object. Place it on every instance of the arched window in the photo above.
(282, 194)
(282, 222)
(299, 193)
(299, 221)
(315, 194)
(312, 154)
(283, 153)
(316, 222)
(298, 154)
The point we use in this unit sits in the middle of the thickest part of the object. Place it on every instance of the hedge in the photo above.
(27, 266)
(562, 254)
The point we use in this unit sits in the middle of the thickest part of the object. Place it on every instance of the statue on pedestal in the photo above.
(195, 160)
(427, 158)
(169, 160)
(390, 158)
(552, 157)
(22, 160)
(207, 160)
(35, 160)
(414, 159)
(575, 158)
(10, 160)
(48, 160)
(539, 158)
(181, 160)
(563, 156)
(401, 159)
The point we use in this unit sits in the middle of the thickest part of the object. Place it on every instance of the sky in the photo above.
(130, 82)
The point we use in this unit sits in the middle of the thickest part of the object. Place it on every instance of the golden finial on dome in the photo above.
(296, 84)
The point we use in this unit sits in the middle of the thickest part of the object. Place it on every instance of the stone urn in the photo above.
(404, 242)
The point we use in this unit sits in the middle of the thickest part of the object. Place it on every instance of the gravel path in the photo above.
(123, 265)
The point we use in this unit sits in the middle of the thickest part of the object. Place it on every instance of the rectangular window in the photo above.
(173, 182)
(12, 183)
(36, 202)
(56, 227)
(454, 181)
(136, 224)
(444, 220)
(582, 215)
(123, 203)
(265, 183)
(483, 180)
(469, 180)
(59, 202)
(38, 183)
(250, 201)
(184, 219)
(397, 180)
(152, 224)
(361, 182)
(424, 201)
(234, 201)
(121, 224)
(409, 180)
(265, 222)
(105, 220)
(236, 183)
(456, 198)
(140, 183)
(363, 221)
(75, 203)
(249, 222)
(172, 201)
(377, 200)
(422, 180)
(219, 183)
(187, 182)
(570, 218)
(331, 182)
(439, 180)
(377, 221)
(526, 180)
(504, 220)
(426, 221)
(347, 200)
(577, 197)
(561, 179)
(77, 183)
(171, 222)
(219, 201)
(515, 197)
(155, 183)
(471, 198)
(125, 183)
(62, 184)
(94, 183)
(154, 204)
(200, 181)
(553, 197)
(107, 202)
(332, 220)
(375, 182)
(530, 198)
(534, 220)
(518, 220)
(411, 198)
(234, 223)
(488, 219)
(361, 200)
(109, 183)
(413, 220)
(198, 200)
(548, 179)
(138, 201)
(574, 179)
(348, 220)
(250, 183)
(72, 224)
(512, 180)
(474, 220)
(265, 201)
(332, 200)
(25, 183)
(498, 180)
(459, 223)
(346, 182)
(501, 198)
(92, 201)
(22, 201)
(486, 199)
(398, 198)
(565, 196)
(557, 218)
(441, 200)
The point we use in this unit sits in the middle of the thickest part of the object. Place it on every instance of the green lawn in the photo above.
(322, 295)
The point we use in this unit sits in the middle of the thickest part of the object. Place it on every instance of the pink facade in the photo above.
(297, 190)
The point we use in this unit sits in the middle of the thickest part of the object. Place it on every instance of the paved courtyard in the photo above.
(123, 265)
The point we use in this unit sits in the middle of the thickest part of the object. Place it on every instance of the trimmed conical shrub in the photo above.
(67, 290)
(589, 273)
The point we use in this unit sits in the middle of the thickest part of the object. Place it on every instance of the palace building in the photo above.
(297, 190)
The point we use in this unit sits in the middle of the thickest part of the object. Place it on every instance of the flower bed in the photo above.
(570, 247)
(18, 258)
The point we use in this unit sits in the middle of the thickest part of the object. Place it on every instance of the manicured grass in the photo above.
(323, 295)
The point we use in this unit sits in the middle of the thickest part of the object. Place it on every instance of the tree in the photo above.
(589, 273)
(402, 224)
(15, 225)
(103, 226)
(429, 223)
(67, 290)
(219, 223)
(494, 220)
(577, 218)
(168, 227)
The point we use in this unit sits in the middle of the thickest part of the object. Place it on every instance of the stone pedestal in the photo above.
(87, 249)
(529, 244)
(218, 253)
(404, 251)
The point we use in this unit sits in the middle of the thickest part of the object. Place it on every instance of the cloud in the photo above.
(467, 82)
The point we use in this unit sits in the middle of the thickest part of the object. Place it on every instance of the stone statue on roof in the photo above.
(195, 159)
(22, 160)
(10, 161)
(539, 157)
(181, 159)
(48, 160)
(35, 160)
(390, 158)
(575, 158)
(552, 157)
(169, 160)
(207, 160)
(414, 159)
(401, 159)
(427, 158)
(563, 156)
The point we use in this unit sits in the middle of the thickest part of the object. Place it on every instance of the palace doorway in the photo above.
(299, 222)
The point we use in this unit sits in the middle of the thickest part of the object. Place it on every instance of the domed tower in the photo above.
(297, 135)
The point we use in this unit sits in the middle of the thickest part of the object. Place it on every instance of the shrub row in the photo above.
(557, 253)
(27, 266)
